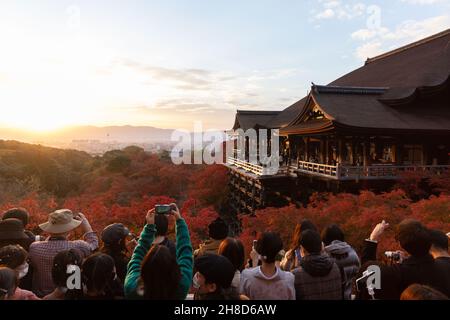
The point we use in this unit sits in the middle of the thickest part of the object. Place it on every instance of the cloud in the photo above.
(193, 79)
(337, 9)
(378, 40)
(424, 2)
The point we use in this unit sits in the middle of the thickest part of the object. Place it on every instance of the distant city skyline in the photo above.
(169, 63)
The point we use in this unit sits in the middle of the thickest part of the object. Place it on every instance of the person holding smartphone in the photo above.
(153, 272)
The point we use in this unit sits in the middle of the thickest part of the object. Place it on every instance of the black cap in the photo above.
(218, 229)
(17, 213)
(12, 229)
(216, 269)
(114, 233)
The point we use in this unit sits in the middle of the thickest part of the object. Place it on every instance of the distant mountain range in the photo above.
(111, 133)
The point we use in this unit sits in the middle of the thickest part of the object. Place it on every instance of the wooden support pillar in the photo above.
(322, 150)
(365, 154)
(307, 149)
(327, 150)
(339, 150)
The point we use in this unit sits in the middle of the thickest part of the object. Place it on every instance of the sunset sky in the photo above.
(168, 63)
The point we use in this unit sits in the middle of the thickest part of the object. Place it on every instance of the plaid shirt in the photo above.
(41, 256)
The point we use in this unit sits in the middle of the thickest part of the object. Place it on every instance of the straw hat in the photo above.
(60, 221)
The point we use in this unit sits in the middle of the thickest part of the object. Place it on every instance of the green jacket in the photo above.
(184, 260)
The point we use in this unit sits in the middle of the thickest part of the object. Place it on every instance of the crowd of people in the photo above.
(317, 264)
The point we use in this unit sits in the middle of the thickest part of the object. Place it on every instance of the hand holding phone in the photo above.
(163, 209)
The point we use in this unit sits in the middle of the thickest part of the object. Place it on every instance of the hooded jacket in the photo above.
(257, 286)
(347, 260)
(318, 278)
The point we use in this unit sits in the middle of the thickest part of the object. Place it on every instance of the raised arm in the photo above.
(143, 246)
(370, 245)
(184, 253)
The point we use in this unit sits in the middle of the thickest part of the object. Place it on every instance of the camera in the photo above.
(163, 209)
(393, 255)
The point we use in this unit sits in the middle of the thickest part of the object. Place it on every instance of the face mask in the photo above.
(22, 270)
(195, 282)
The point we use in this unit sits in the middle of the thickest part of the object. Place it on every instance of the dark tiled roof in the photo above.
(320, 125)
(366, 111)
(246, 119)
(425, 63)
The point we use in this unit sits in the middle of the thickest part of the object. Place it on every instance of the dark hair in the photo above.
(413, 237)
(12, 256)
(160, 273)
(439, 239)
(8, 282)
(233, 249)
(218, 229)
(422, 292)
(98, 272)
(162, 224)
(60, 263)
(311, 241)
(331, 233)
(17, 213)
(268, 246)
(304, 225)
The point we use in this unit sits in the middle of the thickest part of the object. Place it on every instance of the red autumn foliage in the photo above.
(123, 191)
(357, 215)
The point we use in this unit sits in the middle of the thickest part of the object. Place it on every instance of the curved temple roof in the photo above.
(371, 96)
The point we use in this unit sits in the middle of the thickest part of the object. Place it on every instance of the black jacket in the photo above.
(397, 277)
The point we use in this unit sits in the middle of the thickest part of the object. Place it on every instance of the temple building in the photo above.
(366, 128)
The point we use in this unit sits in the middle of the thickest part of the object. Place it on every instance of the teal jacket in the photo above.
(184, 260)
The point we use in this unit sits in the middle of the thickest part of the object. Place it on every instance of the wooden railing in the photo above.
(247, 166)
(318, 168)
(387, 171)
(339, 172)
(369, 172)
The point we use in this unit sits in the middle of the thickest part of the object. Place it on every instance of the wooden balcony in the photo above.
(372, 172)
(338, 172)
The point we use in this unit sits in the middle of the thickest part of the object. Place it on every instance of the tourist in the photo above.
(318, 277)
(213, 278)
(293, 257)
(59, 226)
(12, 232)
(15, 258)
(422, 292)
(23, 215)
(344, 255)
(99, 279)
(8, 283)
(439, 246)
(267, 282)
(162, 227)
(60, 274)
(153, 272)
(218, 231)
(419, 267)
(233, 250)
(114, 238)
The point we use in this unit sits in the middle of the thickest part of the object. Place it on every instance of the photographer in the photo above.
(419, 267)
(153, 272)
(59, 226)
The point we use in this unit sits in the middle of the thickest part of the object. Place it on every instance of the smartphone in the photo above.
(255, 242)
(163, 209)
